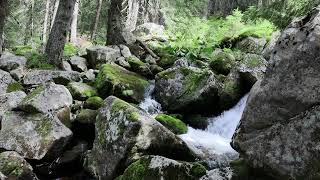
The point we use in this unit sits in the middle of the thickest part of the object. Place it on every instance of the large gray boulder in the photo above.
(5, 80)
(37, 77)
(98, 55)
(9, 62)
(187, 89)
(46, 99)
(33, 136)
(159, 168)
(78, 63)
(125, 133)
(13, 166)
(150, 31)
(252, 45)
(280, 125)
(10, 101)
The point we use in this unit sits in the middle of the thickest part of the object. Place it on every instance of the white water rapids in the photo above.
(212, 144)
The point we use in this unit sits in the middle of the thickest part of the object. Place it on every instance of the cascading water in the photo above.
(149, 105)
(212, 144)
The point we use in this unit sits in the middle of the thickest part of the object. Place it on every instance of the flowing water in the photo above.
(212, 144)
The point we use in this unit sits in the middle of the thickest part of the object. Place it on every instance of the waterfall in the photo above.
(213, 143)
(149, 105)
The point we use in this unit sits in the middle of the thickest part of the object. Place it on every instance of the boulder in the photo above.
(33, 136)
(81, 91)
(173, 124)
(139, 67)
(66, 66)
(252, 68)
(18, 73)
(93, 103)
(123, 134)
(86, 116)
(99, 55)
(267, 51)
(5, 80)
(252, 45)
(218, 174)
(187, 89)
(78, 63)
(89, 76)
(46, 99)
(158, 168)
(115, 80)
(9, 62)
(13, 166)
(10, 101)
(150, 31)
(279, 129)
(37, 77)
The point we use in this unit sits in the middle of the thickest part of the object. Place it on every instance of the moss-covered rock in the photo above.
(173, 124)
(81, 91)
(94, 102)
(139, 67)
(46, 99)
(252, 45)
(187, 89)
(124, 133)
(115, 80)
(86, 116)
(5, 80)
(13, 166)
(167, 61)
(33, 136)
(222, 63)
(157, 168)
(14, 86)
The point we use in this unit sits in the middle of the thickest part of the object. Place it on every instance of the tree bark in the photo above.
(96, 20)
(45, 23)
(55, 10)
(58, 34)
(115, 24)
(3, 13)
(29, 24)
(74, 23)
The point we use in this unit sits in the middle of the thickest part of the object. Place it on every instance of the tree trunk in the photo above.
(55, 10)
(45, 23)
(29, 25)
(58, 34)
(74, 23)
(3, 13)
(131, 14)
(115, 24)
(96, 21)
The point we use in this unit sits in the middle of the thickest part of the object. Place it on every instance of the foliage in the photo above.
(281, 12)
(15, 86)
(38, 61)
(195, 37)
(70, 50)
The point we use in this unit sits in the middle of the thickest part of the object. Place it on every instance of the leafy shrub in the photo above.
(23, 50)
(281, 12)
(38, 61)
(196, 38)
(70, 50)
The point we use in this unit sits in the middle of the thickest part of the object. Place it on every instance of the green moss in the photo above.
(44, 127)
(167, 74)
(94, 102)
(23, 50)
(193, 79)
(130, 112)
(112, 79)
(167, 61)
(86, 116)
(10, 168)
(173, 124)
(222, 63)
(198, 170)
(81, 91)
(33, 94)
(127, 93)
(15, 86)
(253, 63)
(89, 93)
(136, 171)
(135, 62)
(240, 169)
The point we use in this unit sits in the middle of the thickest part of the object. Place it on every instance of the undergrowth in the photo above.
(196, 38)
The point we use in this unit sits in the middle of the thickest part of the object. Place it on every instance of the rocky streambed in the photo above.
(119, 113)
